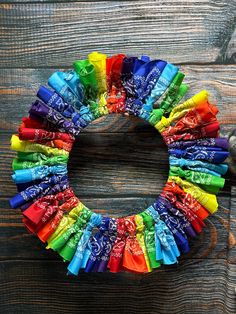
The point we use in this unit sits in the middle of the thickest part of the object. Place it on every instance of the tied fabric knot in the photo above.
(145, 75)
(149, 238)
(141, 238)
(31, 134)
(202, 178)
(168, 73)
(206, 199)
(27, 175)
(213, 155)
(96, 246)
(36, 215)
(156, 116)
(27, 146)
(172, 97)
(67, 242)
(68, 86)
(23, 163)
(173, 224)
(133, 257)
(79, 256)
(107, 247)
(180, 110)
(187, 200)
(166, 249)
(185, 224)
(39, 109)
(116, 256)
(200, 166)
(66, 222)
(80, 117)
(220, 142)
(101, 246)
(209, 130)
(69, 202)
(204, 113)
(115, 90)
(33, 191)
(195, 221)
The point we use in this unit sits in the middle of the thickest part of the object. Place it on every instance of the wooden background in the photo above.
(118, 165)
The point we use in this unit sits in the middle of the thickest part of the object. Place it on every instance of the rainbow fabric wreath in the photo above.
(152, 90)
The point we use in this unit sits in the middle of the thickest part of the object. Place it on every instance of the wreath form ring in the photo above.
(100, 85)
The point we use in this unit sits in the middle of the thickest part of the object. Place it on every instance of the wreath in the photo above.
(154, 91)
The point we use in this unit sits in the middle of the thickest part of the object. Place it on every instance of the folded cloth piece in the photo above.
(36, 173)
(198, 165)
(23, 163)
(204, 153)
(33, 191)
(195, 221)
(197, 177)
(44, 208)
(174, 224)
(67, 242)
(27, 146)
(49, 228)
(36, 122)
(40, 134)
(101, 246)
(40, 109)
(98, 60)
(207, 200)
(66, 222)
(166, 248)
(149, 240)
(117, 251)
(68, 86)
(146, 74)
(180, 110)
(87, 76)
(162, 83)
(79, 117)
(166, 103)
(116, 92)
(133, 257)
(220, 142)
(209, 130)
(77, 260)
(140, 237)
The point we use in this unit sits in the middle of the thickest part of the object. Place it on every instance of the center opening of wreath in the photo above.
(118, 166)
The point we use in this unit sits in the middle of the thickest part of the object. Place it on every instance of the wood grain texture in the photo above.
(118, 165)
(170, 290)
(58, 33)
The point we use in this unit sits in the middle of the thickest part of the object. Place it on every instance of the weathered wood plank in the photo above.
(232, 228)
(58, 33)
(19, 86)
(43, 287)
